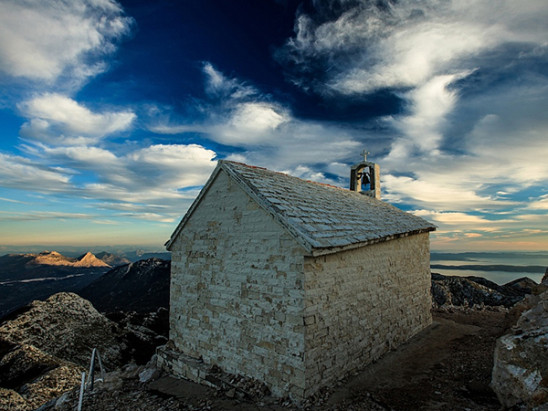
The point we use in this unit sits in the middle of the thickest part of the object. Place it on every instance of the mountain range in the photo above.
(27, 277)
(26, 266)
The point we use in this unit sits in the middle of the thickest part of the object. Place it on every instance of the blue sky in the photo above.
(113, 114)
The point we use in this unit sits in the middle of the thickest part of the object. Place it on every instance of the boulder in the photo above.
(520, 371)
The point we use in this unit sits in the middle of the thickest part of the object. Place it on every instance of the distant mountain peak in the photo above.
(89, 260)
(50, 258)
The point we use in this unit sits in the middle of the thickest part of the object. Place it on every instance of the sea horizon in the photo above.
(511, 264)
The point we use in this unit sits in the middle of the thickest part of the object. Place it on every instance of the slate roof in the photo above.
(322, 218)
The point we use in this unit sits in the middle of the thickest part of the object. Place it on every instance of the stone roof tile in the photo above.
(324, 216)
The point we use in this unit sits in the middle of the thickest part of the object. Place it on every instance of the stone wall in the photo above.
(236, 291)
(361, 303)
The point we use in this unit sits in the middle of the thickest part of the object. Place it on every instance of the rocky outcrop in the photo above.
(45, 347)
(65, 326)
(477, 291)
(520, 372)
(142, 286)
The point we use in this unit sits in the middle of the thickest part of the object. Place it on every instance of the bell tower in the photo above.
(365, 177)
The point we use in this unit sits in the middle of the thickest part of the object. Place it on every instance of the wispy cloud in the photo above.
(366, 46)
(261, 130)
(219, 86)
(471, 133)
(42, 215)
(23, 173)
(11, 200)
(422, 129)
(431, 54)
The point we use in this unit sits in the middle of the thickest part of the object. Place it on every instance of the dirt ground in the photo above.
(447, 366)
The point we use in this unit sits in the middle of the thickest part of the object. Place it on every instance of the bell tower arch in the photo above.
(365, 177)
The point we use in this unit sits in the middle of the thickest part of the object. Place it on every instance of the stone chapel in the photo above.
(292, 282)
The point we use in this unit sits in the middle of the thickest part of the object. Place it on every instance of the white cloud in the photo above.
(57, 119)
(510, 138)
(172, 166)
(239, 114)
(469, 231)
(459, 219)
(154, 173)
(258, 117)
(251, 123)
(82, 156)
(44, 40)
(293, 144)
(539, 204)
(447, 153)
(306, 173)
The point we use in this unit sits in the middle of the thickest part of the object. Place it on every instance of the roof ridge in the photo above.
(244, 164)
(284, 174)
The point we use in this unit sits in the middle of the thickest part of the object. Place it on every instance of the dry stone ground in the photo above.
(448, 366)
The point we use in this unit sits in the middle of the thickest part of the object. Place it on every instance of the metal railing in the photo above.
(95, 356)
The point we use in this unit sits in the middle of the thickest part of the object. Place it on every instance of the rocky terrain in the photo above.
(477, 291)
(45, 347)
(520, 373)
(448, 366)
